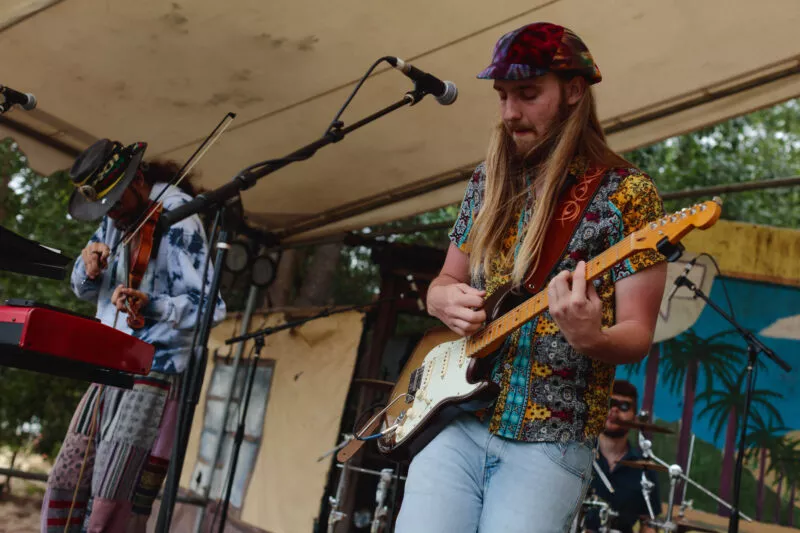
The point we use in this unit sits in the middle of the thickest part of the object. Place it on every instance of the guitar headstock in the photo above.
(675, 226)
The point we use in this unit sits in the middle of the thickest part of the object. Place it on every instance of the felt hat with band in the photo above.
(100, 175)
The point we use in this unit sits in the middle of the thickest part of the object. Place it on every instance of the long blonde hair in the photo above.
(579, 133)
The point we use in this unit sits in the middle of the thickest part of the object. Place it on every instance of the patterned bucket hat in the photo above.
(537, 49)
(100, 176)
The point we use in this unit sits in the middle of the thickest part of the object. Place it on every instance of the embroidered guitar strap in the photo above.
(567, 216)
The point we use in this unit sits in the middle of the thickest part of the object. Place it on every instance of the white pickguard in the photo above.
(444, 378)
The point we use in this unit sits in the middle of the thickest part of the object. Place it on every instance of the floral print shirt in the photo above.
(550, 392)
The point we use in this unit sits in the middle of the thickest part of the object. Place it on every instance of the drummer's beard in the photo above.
(616, 433)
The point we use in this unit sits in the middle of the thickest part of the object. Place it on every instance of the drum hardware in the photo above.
(647, 488)
(652, 462)
(604, 512)
(386, 475)
(682, 526)
(684, 503)
(381, 510)
(335, 514)
(602, 476)
(366, 471)
(676, 473)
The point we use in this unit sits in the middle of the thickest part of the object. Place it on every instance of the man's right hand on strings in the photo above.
(95, 259)
(459, 306)
(452, 300)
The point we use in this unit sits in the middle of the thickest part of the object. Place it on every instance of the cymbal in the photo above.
(644, 465)
(642, 426)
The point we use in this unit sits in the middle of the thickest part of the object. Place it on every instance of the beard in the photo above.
(537, 146)
(616, 433)
(126, 217)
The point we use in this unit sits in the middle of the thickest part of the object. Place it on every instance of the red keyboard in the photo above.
(54, 341)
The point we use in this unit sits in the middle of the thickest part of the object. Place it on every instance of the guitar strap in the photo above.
(567, 215)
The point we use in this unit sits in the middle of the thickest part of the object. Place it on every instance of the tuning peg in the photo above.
(717, 200)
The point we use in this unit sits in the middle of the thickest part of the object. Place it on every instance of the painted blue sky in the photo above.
(756, 306)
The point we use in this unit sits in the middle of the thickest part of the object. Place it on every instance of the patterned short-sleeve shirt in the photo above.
(550, 392)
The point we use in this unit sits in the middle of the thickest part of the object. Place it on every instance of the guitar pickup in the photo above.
(415, 380)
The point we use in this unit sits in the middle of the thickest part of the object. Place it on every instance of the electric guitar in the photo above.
(448, 374)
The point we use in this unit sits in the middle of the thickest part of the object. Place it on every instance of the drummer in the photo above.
(613, 447)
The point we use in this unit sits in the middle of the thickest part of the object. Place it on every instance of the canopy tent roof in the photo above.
(167, 72)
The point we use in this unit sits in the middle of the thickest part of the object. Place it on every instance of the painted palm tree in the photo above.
(764, 440)
(651, 376)
(683, 360)
(724, 404)
(783, 463)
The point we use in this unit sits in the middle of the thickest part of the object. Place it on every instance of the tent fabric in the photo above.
(167, 72)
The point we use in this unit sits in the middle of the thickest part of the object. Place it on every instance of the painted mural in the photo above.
(697, 378)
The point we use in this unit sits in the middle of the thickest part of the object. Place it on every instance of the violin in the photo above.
(141, 249)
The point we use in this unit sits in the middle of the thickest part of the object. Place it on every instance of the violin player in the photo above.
(115, 455)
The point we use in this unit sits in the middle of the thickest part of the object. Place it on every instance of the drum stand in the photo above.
(675, 473)
(604, 513)
(381, 509)
(647, 488)
(602, 476)
(336, 514)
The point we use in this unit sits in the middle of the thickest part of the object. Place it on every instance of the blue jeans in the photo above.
(467, 480)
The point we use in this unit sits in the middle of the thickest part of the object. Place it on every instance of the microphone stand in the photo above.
(299, 322)
(754, 348)
(239, 436)
(193, 375)
(217, 199)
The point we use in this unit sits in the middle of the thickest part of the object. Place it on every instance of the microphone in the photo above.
(677, 283)
(10, 97)
(445, 92)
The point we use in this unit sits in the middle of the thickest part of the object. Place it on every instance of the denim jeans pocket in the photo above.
(574, 457)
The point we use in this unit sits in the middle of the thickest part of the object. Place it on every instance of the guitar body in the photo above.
(433, 388)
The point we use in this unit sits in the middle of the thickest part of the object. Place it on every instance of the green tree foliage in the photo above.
(762, 145)
(35, 207)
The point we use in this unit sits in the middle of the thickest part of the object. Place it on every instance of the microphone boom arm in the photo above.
(249, 176)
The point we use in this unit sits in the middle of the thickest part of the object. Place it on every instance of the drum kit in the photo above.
(670, 523)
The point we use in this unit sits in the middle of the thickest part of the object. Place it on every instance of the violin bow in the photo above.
(183, 172)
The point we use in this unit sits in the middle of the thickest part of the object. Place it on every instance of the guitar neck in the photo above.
(487, 339)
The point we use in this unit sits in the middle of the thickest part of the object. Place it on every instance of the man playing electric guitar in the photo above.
(525, 464)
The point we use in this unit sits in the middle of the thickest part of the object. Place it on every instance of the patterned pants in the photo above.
(129, 436)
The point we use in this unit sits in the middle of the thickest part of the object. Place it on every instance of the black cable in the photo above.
(212, 235)
(369, 412)
(724, 285)
(335, 122)
(331, 130)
